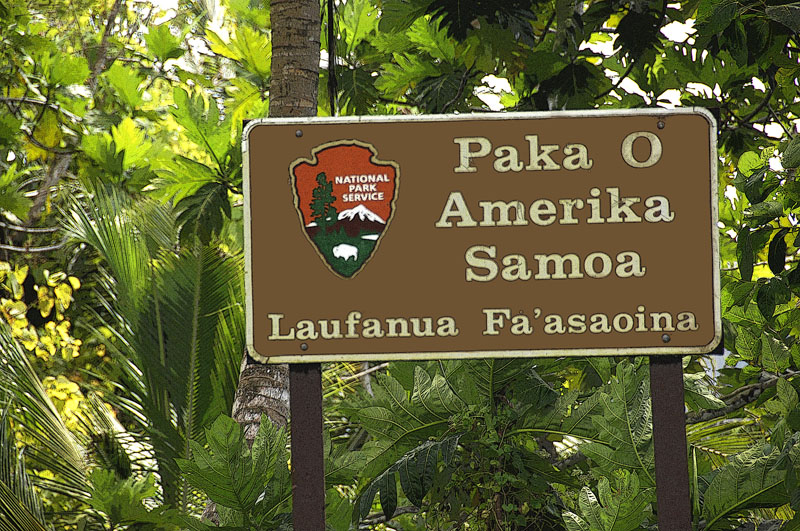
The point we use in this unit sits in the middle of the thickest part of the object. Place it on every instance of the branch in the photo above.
(38, 144)
(32, 101)
(546, 29)
(777, 119)
(364, 373)
(616, 85)
(739, 398)
(29, 230)
(374, 519)
(45, 249)
(102, 50)
(460, 92)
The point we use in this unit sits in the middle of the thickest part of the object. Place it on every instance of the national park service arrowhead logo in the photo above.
(345, 198)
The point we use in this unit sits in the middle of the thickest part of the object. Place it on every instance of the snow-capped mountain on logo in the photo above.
(355, 221)
(363, 213)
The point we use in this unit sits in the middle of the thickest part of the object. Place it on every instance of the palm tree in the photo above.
(177, 320)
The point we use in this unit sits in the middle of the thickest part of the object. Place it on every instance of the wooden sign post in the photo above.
(503, 235)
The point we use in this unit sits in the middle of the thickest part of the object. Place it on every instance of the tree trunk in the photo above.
(293, 92)
(296, 25)
(295, 57)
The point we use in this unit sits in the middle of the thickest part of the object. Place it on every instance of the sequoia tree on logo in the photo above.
(345, 199)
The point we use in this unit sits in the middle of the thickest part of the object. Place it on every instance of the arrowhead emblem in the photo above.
(345, 199)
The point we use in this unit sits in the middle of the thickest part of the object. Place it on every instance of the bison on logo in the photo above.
(345, 199)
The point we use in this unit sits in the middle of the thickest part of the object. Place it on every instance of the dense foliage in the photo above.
(121, 284)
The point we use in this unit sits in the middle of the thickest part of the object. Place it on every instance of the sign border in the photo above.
(476, 354)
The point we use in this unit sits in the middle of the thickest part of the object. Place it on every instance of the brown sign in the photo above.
(534, 234)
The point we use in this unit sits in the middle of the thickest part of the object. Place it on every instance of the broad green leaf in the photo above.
(125, 82)
(201, 214)
(715, 15)
(121, 500)
(248, 46)
(775, 356)
(416, 469)
(227, 473)
(357, 19)
(621, 507)
(777, 252)
(575, 522)
(624, 425)
(162, 43)
(130, 139)
(398, 422)
(47, 133)
(404, 73)
(200, 119)
(430, 38)
(748, 481)
(787, 14)
(764, 212)
(397, 17)
(12, 199)
(698, 394)
(65, 69)
(748, 344)
(787, 395)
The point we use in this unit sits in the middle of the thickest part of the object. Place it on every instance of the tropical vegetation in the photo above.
(122, 292)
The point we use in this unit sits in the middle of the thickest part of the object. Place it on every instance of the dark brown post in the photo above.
(669, 441)
(308, 465)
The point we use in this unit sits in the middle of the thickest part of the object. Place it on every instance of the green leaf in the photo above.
(11, 198)
(357, 19)
(201, 214)
(767, 300)
(748, 481)
(698, 394)
(121, 499)
(787, 395)
(417, 470)
(441, 93)
(162, 43)
(776, 257)
(775, 356)
(201, 121)
(398, 423)
(397, 17)
(405, 73)
(745, 254)
(624, 425)
(248, 46)
(764, 212)
(227, 472)
(575, 522)
(125, 82)
(430, 38)
(715, 15)
(65, 69)
(748, 344)
(787, 14)
(621, 507)
(130, 139)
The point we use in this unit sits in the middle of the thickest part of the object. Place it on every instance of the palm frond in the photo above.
(55, 448)
(178, 322)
